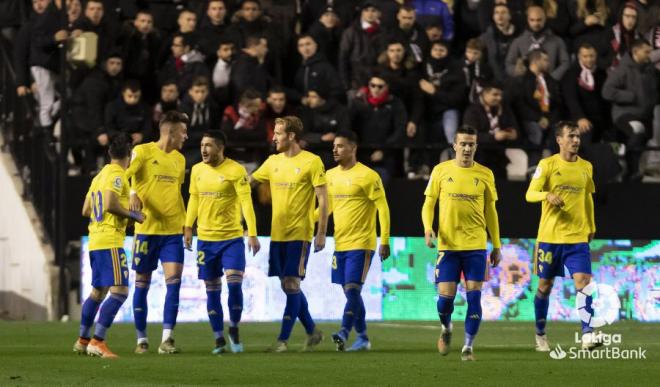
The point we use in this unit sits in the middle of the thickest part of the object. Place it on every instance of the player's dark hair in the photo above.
(562, 125)
(132, 85)
(120, 147)
(291, 124)
(349, 135)
(172, 118)
(465, 129)
(218, 136)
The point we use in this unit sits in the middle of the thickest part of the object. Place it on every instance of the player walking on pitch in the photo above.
(295, 177)
(355, 193)
(219, 193)
(106, 204)
(564, 184)
(467, 195)
(157, 171)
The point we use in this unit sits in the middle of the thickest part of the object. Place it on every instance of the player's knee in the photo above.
(473, 285)
(123, 290)
(119, 296)
(545, 287)
(350, 286)
(582, 281)
(173, 280)
(142, 280)
(291, 285)
(214, 285)
(234, 277)
(98, 294)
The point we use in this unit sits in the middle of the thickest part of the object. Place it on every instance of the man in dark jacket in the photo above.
(496, 126)
(248, 71)
(127, 114)
(212, 29)
(632, 89)
(412, 33)
(581, 89)
(380, 119)
(95, 21)
(327, 31)
(360, 45)
(184, 63)
(497, 39)
(22, 49)
(314, 73)
(204, 115)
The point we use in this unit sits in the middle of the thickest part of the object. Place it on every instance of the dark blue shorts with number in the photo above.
(450, 265)
(550, 259)
(148, 249)
(351, 266)
(288, 259)
(214, 257)
(109, 267)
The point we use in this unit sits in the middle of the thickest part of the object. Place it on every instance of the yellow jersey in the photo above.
(464, 194)
(292, 181)
(573, 182)
(353, 195)
(157, 177)
(107, 231)
(216, 196)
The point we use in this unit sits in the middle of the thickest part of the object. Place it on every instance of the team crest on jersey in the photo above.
(117, 183)
(155, 162)
(450, 180)
(222, 179)
(476, 181)
(297, 171)
(244, 180)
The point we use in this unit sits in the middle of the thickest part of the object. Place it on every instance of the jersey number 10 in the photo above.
(97, 205)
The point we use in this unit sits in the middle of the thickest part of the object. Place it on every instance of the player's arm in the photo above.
(384, 221)
(492, 221)
(432, 193)
(589, 207)
(244, 192)
(137, 160)
(113, 206)
(261, 174)
(87, 207)
(192, 211)
(322, 198)
(535, 191)
(330, 209)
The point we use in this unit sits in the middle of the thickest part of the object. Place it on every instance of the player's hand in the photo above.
(584, 125)
(590, 237)
(134, 203)
(187, 238)
(22, 91)
(429, 238)
(411, 129)
(253, 245)
(495, 257)
(544, 123)
(384, 252)
(555, 200)
(138, 216)
(319, 242)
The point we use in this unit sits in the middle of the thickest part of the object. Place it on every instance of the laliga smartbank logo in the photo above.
(598, 345)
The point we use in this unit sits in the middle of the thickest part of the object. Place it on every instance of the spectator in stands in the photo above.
(620, 36)
(127, 114)
(434, 33)
(360, 45)
(12, 15)
(587, 23)
(169, 100)
(322, 118)
(581, 90)
(184, 63)
(313, 10)
(633, 90)
(187, 25)
(244, 123)
(411, 33)
(221, 74)
(537, 36)
(326, 32)
(22, 60)
(537, 100)
(212, 29)
(497, 39)
(94, 21)
(276, 107)
(557, 17)
(399, 67)
(495, 124)
(140, 44)
(203, 114)
(475, 70)
(443, 85)
(380, 119)
(87, 107)
(249, 72)
(436, 13)
(315, 72)
(648, 14)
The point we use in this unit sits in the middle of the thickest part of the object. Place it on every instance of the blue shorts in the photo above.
(214, 257)
(550, 259)
(351, 266)
(148, 249)
(108, 267)
(450, 264)
(288, 259)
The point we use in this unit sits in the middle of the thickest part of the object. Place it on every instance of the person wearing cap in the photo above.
(315, 72)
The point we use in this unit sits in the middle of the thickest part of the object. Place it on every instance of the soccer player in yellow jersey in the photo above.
(355, 193)
(106, 205)
(219, 193)
(467, 215)
(295, 177)
(564, 184)
(157, 171)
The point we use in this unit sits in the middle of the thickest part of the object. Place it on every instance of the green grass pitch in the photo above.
(403, 353)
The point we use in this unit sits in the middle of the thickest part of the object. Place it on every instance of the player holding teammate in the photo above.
(355, 193)
(219, 193)
(467, 195)
(564, 184)
(295, 176)
(157, 171)
(106, 204)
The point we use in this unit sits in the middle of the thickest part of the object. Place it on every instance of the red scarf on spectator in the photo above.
(372, 29)
(179, 63)
(375, 101)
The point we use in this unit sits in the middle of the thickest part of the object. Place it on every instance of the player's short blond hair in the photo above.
(291, 124)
